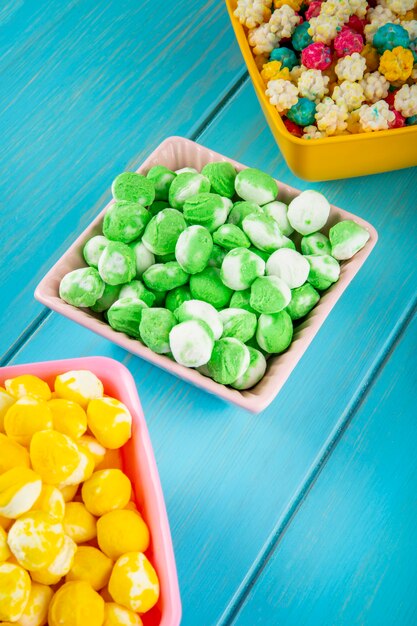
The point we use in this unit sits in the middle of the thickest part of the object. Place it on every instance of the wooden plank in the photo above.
(350, 556)
(90, 99)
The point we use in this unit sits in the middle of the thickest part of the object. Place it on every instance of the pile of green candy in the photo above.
(201, 266)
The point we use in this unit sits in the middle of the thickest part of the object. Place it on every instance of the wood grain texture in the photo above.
(350, 556)
(93, 95)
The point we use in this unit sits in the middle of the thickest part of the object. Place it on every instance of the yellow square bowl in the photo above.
(342, 156)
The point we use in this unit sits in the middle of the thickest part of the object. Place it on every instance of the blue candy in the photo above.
(390, 36)
(301, 39)
(302, 112)
(411, 121)
(287, 57)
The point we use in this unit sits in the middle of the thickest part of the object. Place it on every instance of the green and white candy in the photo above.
(93, 249)
(275, 331)
(191, 343)
(216, 257)
(161, 177)
(241, 300)
(176, 297)
(240, 210)
(133, 187)
(230, 236)
(238, 323)
(207, 209)
(221, 175)
(269, 294)
(279, 212)
(289, 265)
(154, 328)
(186, 170)
(347, 238)
(109, 296)
(165, 276)
(308, 212)
(303, 299)
(254, 373)
(316, 243)
(193, 249)
(229, 360)
(208, 286)
(81, 288)
(186, 185)
(264, 232)
(256, 186)
(324, 271)
(144, 258)
(240, 268)
(203, 311)
(125, 315)
(136, 289)
(117, 263)
(162, 232)
(158, 205)
(125, 221)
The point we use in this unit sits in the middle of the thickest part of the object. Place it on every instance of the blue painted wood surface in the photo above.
(91, 90)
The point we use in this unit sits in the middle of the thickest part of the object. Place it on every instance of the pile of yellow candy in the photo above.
(72, 542)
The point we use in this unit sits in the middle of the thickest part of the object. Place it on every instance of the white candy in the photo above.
(264, 232)
(93, 249)
(191, 343)
(308, 212)
(278, 211)
(144, 258)
(203, 311)
(186, 170)
(290, 266)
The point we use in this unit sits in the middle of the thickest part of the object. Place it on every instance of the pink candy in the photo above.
(313, 9)
(347, 42)
(317, 56)
(399, 120)
(356, 24)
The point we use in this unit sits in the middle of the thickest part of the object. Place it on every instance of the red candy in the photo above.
(347, 42)
(399, 121)
(317, 56)
(313, 10)
(293, 128)
(356, 24)
(390, 99)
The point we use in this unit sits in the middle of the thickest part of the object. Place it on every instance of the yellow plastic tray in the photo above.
(332, 157)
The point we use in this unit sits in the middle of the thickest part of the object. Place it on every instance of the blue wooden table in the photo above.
(306, 514)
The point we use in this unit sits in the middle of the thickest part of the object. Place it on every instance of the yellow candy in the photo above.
(68, 492)
(51, 501)
(60, 566)
(76, 604)
(57, 458)
(36, 610)
(5, 522)
(105, 491)
(81, 386)
(12, 454)
(68, 417)
(28, 385)
(396, 64)
(25, 417)
(371, 57)
(14, 591)
(134, 583)
(112, 460)
(274, 70)
(110, 422)
(122, 531)
(93, 447)
(36, 540)
(92, 566)
(6, 402)
(79, 524)
(20, 487)
(4, 548)
(294, 4)
(117, 615)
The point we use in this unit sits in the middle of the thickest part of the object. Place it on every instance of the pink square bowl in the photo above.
(175, 153)
(138, 463)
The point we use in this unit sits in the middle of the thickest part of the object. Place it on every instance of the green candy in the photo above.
(81, 288)
(324, 271)
(241, 209)
(274, 332)
(136, 289)
(154, 328)
(208, 286)
(264, 232)
(240, 268)
(316, 243)
(164, 277)
(238, 323)
(161, 177)
(254, 373)
(255, 186)
(125, 221)
(93, 249)
(346, 239)
(230, 236)
(133, 187)
(164, 258)
(157, 206)
(186, 185)
(117, 264)
(279, 212)
(207, 209)
(143, 257)
(229, 360)
(263, 255)
(162, 232)
(159, 297)
(216, 257)
(203, 311)
(241, 300)
(176, 297)
(110, 295)
(303, 299)
(269, 294)
(221, 175)
(191, 343)
(193, 249)
(125, 315)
